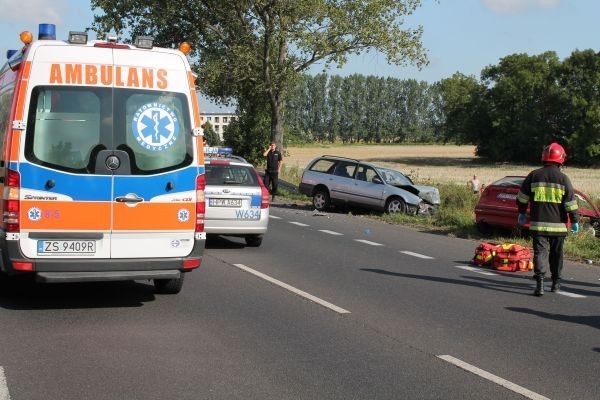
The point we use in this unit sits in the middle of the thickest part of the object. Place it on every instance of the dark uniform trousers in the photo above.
(548, 250)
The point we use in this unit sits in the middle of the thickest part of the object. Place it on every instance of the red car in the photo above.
(497, 207)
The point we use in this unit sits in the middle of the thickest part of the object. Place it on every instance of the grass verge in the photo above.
(456, 218)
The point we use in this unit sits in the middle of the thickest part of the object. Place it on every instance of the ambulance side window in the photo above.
(5, 103)
(63, 127)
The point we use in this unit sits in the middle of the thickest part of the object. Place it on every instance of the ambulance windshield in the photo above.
(68, 126)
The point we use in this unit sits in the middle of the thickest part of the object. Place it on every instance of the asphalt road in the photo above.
(331, 306)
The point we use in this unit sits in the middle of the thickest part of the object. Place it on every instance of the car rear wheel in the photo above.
(395, 205)
(169, 286)
(483, 227)
(253, 240)
(321, 200)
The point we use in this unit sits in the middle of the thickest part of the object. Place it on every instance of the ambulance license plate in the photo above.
(66, 247)
(224, 202)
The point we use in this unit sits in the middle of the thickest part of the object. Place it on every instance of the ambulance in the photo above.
(102, 167)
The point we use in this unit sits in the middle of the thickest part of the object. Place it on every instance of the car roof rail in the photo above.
(341, 157)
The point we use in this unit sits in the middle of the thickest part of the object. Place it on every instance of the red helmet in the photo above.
(554, 153)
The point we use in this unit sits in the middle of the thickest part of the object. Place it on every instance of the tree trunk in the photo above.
(277, 120)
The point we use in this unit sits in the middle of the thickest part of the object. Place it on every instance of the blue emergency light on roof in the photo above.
(10, 53)
(47, 32)
(218, 151)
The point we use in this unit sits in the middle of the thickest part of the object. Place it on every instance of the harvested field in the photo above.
(437, 163)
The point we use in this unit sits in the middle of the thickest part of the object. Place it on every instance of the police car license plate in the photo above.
(225, 202)
(66, 247)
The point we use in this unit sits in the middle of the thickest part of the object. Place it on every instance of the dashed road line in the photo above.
(4, 395)
(574, 295)
(274, 216)
(493, 378)
(410, 253)
(476, 270)
(330, 232)
(299, 292)
(298, 223)
(368, 242)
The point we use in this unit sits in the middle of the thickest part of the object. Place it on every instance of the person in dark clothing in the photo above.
(274, 161)
(549, 193)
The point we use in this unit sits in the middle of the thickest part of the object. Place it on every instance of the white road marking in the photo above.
(330, 232)
(4, 395)
(368, 242)
(274, 216)
(476, 270)
(574, 295)
(299, 292)
(410, 253)
(493, 378)
(298, 223)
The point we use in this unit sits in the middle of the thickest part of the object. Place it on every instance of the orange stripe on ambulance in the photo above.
(108, 75)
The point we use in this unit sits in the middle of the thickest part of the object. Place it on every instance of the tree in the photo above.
(257, 48)
(211, 138)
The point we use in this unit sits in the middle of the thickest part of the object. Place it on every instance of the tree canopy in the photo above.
(247, 49)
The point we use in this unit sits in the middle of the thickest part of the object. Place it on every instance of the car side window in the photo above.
(323, 165)
(345, 169)
(365, 173)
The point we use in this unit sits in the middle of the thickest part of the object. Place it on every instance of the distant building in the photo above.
(216, 115)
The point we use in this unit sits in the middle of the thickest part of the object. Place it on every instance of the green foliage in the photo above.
(248, 49)
(211, 138)
(248, 135)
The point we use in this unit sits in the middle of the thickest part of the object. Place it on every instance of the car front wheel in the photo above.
(395, 205)
(321, 200)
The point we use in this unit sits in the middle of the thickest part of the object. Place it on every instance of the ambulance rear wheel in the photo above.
(168, 286)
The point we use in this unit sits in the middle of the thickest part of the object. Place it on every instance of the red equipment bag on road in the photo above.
(484, 254)
(512, 257)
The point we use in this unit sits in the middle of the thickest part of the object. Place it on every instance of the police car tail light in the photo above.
(200, 204)
(264, 198)
(10, 219)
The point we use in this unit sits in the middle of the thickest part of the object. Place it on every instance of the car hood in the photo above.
(428, 193)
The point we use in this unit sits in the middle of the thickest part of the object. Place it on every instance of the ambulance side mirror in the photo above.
(197, 132)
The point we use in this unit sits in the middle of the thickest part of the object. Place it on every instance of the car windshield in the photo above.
(393, 177)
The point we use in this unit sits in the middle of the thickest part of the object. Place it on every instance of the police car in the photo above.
(237, 201)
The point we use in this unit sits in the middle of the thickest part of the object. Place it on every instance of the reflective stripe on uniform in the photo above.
(522, 198)
(571, 206)
(539, 226)
(547, 192)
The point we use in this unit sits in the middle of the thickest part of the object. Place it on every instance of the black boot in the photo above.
(555, 285)
(539, 286)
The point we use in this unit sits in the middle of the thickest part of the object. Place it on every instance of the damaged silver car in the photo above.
(331, 180)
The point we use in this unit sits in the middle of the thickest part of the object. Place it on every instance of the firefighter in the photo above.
(549, 193)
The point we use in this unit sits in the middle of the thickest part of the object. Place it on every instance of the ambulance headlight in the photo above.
(77, 37)
(144, 42)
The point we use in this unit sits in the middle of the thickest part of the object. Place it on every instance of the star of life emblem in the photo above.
(155, 126)
(183, 215)
(34, 214)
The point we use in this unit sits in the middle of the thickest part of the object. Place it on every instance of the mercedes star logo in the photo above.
(113, 162)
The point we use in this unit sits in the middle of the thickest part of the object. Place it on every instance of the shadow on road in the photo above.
(483, 283)
(20, 293)
(589, 320)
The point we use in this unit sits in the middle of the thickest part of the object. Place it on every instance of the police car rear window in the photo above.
(227, 174)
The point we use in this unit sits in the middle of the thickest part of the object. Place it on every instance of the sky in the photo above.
(459, 35)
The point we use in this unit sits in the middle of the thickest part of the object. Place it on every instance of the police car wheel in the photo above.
(253, 240)
(168, 286)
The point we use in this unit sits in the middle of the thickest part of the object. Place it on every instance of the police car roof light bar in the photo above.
(47, 32)
(78, 37)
